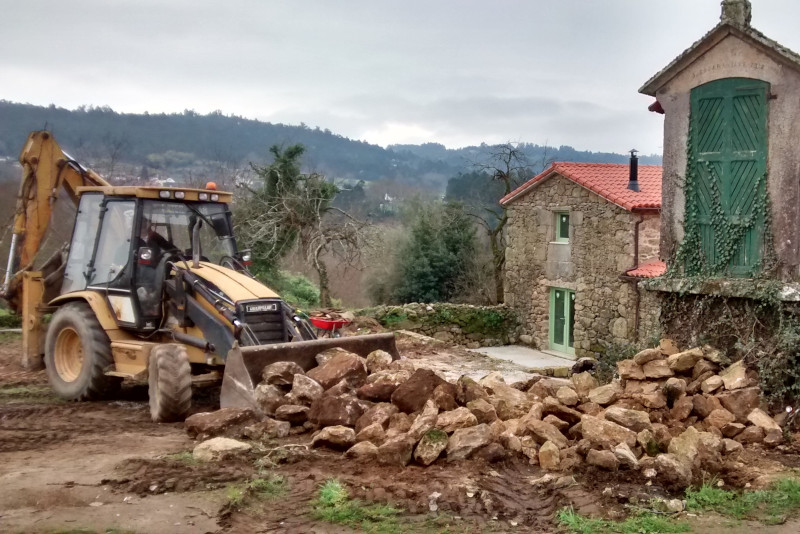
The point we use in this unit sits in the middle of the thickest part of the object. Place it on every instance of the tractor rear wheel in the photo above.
(77, 354)
(170, 380)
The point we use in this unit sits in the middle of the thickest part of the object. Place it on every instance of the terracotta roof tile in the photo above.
(609, 180)
(651, 269)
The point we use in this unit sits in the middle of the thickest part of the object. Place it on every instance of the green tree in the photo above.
(439, 256)
(294, 208)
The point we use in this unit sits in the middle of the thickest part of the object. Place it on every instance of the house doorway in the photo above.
(562, 320)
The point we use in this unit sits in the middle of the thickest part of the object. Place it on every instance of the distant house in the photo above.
(578, 241)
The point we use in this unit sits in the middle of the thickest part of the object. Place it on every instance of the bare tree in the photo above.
(508, 165)
(295, 208)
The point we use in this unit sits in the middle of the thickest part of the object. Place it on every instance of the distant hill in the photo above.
(167, 143)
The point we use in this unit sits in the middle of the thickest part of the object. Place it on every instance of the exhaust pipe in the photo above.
(633, 179)
(196, 244)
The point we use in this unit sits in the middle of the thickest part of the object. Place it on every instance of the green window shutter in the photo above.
(728, 136)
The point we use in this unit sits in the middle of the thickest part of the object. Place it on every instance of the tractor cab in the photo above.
(125, 238)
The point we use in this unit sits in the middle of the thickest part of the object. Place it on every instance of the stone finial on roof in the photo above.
(737, 12)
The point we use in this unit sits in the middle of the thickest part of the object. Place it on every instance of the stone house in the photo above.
(578, 241)
(731, 192)
(731, 182)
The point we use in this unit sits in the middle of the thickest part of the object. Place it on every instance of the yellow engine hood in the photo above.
(235, 285)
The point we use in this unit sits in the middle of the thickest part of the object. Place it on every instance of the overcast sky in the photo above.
(457, 72)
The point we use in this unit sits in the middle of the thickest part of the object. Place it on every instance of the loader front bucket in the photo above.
(244, 365)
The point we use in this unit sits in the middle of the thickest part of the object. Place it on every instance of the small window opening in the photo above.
(562, 227)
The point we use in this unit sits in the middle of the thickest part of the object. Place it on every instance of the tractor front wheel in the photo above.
(170, 381)
(77, 354)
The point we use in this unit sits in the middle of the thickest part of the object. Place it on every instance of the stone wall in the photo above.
(600, 249)
(460, 324)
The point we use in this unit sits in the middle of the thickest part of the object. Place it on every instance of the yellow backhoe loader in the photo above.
(152, 286)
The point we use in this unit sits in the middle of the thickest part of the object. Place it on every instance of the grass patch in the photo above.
(640, 523)
(771, 506)
(184, 457)
(31, 394)
(334, 505)
(268, 488)
(8, 337)
(255, 491)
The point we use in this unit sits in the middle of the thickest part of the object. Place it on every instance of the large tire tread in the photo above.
(170, 383)
(92, 384)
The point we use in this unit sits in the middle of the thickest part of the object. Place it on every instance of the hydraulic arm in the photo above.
(45, 170)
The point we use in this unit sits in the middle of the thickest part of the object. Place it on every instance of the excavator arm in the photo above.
(46, 168)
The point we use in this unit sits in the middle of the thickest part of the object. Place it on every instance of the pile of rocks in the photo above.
(670, 414)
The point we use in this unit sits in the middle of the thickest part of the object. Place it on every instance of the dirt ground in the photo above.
(104, 466)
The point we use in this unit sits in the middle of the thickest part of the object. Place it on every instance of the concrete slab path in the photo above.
(526, 356)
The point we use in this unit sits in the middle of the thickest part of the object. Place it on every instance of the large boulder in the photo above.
(295, 414)
(379, 413)
(630, 370)
(267, 428)
(696, 449)
(760, 418)
(378, 360)
(444, 397)
(549, 456)
(672, 471)
(704, 405)
(465, 441)
(280, 373)
(411, 396)
(543, 431)
(430, 447)
(425, 421)
(268, 398)
(583, 383)
(305, 390)
(656, 369)
(711, 384)
(331, 411)
(225, 421)
(453, 420)
(509, 403)
(551, 406)
(468, 390)
(631, 419)
(625, 456)
(682, 362)
(719, 418)
(735, 376)
(603, 459)
(482, 410)
(396, 451)
(334, 437)
(218, 448)
(648, 355)
(381, 385)
(374, 433)
(567, 396)
(605, 395)
(751, 434)
(363, 450)
(740, 402)
(682, 408)
(344, 365)
(606, 434)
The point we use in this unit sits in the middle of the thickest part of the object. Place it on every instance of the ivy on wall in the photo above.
(729, 230)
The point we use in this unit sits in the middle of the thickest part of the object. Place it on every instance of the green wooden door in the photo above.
(562, 320)
(729, 147)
